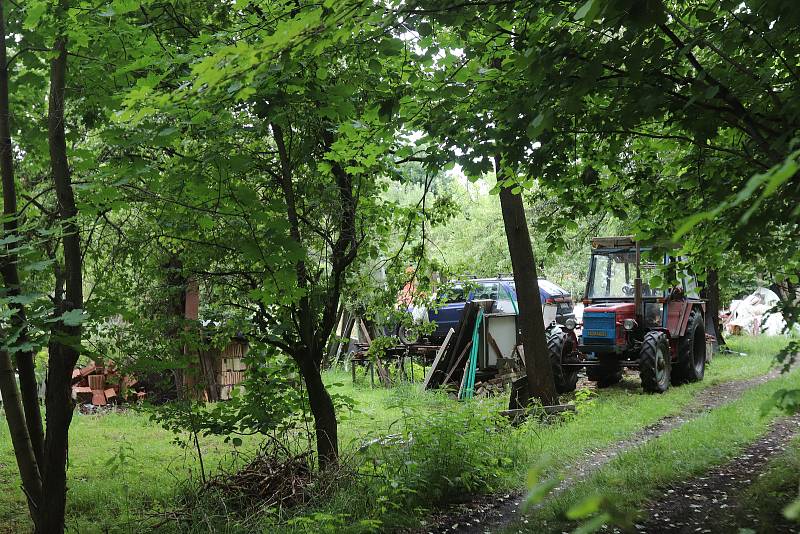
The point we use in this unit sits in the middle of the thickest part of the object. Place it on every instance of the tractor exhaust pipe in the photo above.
(637, 288)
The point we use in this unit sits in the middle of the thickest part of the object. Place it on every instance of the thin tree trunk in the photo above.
(537, 358)
(325, 424)
(20, 439)
(711, 294)
(309, 355)
(65, 339)
(8, 264)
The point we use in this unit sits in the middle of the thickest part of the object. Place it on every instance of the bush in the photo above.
(441, 455)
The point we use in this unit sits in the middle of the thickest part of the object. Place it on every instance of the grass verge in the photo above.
(635, 476)
(122, 466)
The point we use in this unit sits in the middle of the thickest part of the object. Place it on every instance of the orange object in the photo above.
(98, 397)
(97, 381)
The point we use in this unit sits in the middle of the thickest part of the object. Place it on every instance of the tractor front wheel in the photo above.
(691, 365)
(654, 362)
(561, 346)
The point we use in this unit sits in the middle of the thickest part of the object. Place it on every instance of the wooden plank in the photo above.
(364, 330)
(464, 336)
(463, 333)
(463, 378)
(458, 360)
(436, 360)
(494, 345)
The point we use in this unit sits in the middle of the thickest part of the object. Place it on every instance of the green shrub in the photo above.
(440, 456)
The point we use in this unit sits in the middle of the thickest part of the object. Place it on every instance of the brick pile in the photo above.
(101, 385)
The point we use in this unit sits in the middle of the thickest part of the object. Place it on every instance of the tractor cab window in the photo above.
(613, 275)
(690, 283)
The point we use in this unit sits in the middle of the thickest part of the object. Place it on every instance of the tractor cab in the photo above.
(624, 299)
(630, 322)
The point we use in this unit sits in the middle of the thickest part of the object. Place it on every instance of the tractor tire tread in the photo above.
(648, 362)
(565, 381)
(685, 371)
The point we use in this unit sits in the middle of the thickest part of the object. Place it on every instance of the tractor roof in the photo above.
(613, 242)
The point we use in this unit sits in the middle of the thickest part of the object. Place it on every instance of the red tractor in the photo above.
(628, 323)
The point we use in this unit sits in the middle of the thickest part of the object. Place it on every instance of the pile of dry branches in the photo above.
(274, 478)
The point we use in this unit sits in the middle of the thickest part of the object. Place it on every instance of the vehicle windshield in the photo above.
(613, 273)
(452, 295)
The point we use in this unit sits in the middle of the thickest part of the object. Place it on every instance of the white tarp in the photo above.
(751, 315)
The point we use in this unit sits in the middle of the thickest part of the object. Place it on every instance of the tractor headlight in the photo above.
(570, 324)
(629, 324)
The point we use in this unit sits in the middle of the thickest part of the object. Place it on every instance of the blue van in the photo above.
(502, 290)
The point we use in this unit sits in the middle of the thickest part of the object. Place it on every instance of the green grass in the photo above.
(618, 413)
(635, 476)
(762, 502)
(157, 471)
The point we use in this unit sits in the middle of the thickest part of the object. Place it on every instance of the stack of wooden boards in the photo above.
(101, 385)
(449, 368)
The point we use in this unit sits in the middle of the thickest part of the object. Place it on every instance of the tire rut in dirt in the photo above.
(703, 504)
(491, 513)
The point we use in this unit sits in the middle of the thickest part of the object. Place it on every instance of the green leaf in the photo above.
(74, 317)
(704, 15)
(538, 492)
(792, 510)
(237, 442)
(35, 11)
(585, 508)
(537, 126)
(711, 92)
(587, 11)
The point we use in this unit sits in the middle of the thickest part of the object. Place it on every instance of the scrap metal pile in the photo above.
(99, 385)
(754, 315)
(456, 364)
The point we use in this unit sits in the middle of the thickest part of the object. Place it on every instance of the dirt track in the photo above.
(700, 504)
(492, 513)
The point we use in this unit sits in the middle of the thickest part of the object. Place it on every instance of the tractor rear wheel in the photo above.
(606, 374)
(654, 362)
(561, 346)
(691, 365)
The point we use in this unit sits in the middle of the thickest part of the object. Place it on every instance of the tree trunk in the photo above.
(711, 294)
(65, 341)
(20, 439)
(325, 424)
(537, 358)
(175, 311)
(59, 404)
(8, 263)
